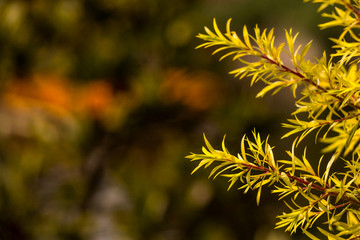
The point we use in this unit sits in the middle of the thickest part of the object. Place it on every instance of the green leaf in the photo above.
(258, 195)
(208, 145)
(328, 167)
(304, 51)
(246, 37)
(351, 134)
(310, 235)
(330, 235)
(269, 87)
(219, 34)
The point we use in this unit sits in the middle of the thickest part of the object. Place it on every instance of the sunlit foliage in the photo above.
(327, 95)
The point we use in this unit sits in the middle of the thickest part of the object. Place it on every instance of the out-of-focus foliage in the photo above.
(100, 100)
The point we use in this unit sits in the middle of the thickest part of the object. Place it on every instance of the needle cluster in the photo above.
(327, 100)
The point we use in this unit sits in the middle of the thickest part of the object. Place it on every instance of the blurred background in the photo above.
(101, 100)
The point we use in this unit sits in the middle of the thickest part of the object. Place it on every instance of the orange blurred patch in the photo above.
(95, 97)
(197, 91)
(59, 96)
(45, 106)
(50, 92)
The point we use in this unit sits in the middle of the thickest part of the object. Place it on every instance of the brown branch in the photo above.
(339, 120)
(299, 180)
(294, 178)
(357, 237)
(351, 8)
(300, 75)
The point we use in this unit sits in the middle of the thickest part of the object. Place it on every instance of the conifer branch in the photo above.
(255, 167)
(330, 97)
(301, 76)
(352, 9)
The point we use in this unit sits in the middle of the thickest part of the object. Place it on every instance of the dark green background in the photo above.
(131, 180)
